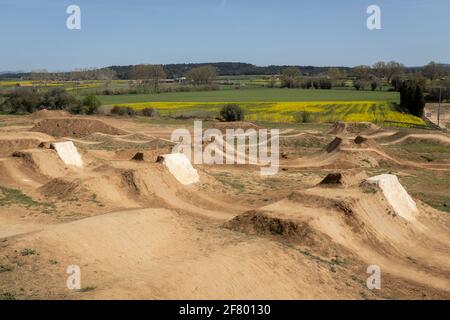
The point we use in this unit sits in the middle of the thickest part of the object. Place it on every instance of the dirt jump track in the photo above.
(362, 151)
(137, 232)
(73, 127)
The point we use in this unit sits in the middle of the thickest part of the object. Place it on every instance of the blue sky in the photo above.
(33, 33)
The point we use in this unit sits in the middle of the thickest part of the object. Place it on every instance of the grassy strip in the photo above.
(255, 95)
(14, 196)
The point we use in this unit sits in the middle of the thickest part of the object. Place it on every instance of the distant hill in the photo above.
(226, 69)
(12, 72)
(223, 69)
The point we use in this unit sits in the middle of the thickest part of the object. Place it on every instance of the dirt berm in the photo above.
(74, 127)
(44, 114)
(9, 146)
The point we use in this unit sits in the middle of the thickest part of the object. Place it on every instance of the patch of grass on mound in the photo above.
(28, 252)
(226, 180)
(6, 268)
(421, 151)
(87, 289)
(7, 296)
(13, 196)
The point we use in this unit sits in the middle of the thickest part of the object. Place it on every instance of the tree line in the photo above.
(432, 71)
(26, 100)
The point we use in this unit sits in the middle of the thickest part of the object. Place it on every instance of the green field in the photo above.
(255, 95)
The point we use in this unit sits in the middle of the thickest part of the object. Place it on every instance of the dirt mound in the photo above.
(111, 188)
(304, 140)
(345, 179)
(342, 128)
(42, 161)
(261, 223)
(361, 127)
(338, 128)
(319, 201)
(9, 146)
(365, 143)
(138, 137)
(223, 126)
(105, 141)
(44, 114)
(74, 127)
(334, 145)
(332, 179)
(360, 139)
(404, 137)
(139, 156)
(63, 189)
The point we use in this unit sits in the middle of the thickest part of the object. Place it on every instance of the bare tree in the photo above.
(362, 72)
(106, 75)
(380, 69)
(204, 75)
(434, 70)
(394, 69)
(290, 77)
(148, 76)
(40, 75)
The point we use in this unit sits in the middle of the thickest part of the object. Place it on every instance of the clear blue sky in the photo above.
(33, 33)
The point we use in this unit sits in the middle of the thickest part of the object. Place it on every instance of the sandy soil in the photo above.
(137, 233)
(444, 119)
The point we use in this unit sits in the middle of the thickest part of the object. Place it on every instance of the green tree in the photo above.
(91, 104)
(59, 99)
(412, 97)
(374, 85)
(232, 112)
(22, 101)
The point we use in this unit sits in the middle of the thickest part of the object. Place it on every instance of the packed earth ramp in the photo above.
(355, 227)
(45, 114)
(74, 127)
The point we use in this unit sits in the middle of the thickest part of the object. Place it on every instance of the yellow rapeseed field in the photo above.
(318, 111)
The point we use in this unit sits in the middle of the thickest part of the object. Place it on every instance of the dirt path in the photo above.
(432, 137)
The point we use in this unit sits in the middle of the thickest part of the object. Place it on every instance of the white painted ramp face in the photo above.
(68, 153)
(181, 168)
(396, 195)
